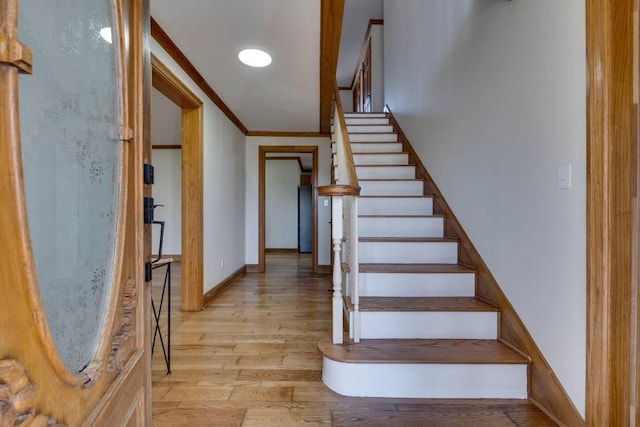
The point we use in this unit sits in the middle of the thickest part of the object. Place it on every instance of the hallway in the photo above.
(250, 358)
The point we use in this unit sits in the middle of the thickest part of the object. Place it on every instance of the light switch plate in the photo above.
(564, 176)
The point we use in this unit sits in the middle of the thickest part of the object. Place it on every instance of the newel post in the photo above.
(337, 192)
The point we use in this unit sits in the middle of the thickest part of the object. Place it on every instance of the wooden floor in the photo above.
(251, 359)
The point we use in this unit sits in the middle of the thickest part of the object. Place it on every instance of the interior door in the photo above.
(74, 321)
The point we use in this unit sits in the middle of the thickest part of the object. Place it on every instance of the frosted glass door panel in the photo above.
(69, 108)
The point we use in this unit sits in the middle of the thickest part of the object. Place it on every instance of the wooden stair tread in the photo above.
(407, 239)
(415, 268)
(422, 351)
(424, 304)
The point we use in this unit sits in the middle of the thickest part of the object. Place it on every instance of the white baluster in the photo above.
(336, 213)
(355, 269)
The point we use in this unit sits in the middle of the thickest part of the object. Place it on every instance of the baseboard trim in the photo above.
(323, 269)
(544, 387)
(253, 268)
(176, 258)
(281, 250)
(223, 286)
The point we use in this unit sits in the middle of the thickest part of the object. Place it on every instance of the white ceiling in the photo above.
(357, 14)
(285, 95)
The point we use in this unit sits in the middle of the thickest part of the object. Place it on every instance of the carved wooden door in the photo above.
(74, 306)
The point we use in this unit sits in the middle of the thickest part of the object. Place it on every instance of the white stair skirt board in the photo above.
(381, 159)
(359, 128)
(391, 188)
(373, 137)
(429, 324)
(386, 172)
(401, 227)
(366, 121)
(426, 381)
(417, 284)
(408, 252)
(395, 205)
(365, 115)
(376, 147)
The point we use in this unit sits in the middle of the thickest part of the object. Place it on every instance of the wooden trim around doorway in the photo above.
(192, 188)
(611, 220)
(262, 156)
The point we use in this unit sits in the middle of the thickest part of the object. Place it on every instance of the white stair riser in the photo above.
(376, 147)
(408, 252)
(365, 115)
(395, 205)
(401, 227)
(417, 284)
(366, 121)
(386, 172)
(373, 137)
(381, 159)
(369, 129)
(391, 188)
(426, 381)
(429, 325)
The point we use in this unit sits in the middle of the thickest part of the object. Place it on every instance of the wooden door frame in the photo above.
(612, 215)
(192, 182)
(262, 154)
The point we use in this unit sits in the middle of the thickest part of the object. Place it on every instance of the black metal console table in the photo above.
(166, 290)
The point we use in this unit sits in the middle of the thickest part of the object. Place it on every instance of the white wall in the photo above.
(377, 68)
(166, 120)
(251, 203)
(224, 185)
(282, 178)
(346, 97)
(492, 95)
(167, 191)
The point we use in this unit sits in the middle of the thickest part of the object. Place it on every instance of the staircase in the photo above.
(424, 333)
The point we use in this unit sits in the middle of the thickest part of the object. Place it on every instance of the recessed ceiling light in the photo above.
(254, 57)
(105, 33)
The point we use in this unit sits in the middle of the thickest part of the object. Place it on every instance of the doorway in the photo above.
(282, 151)
(191, 143)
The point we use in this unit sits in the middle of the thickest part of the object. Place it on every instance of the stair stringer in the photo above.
(545, 389)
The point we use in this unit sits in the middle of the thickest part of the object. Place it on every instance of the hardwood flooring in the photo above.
(251, 359)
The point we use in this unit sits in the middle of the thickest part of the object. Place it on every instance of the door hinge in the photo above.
(121, 133)
(148, 210)
(148, 268)
(148, 173)
(14, 53)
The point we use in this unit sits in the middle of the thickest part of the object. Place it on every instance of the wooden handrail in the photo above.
(338, 190)
(353, 177)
